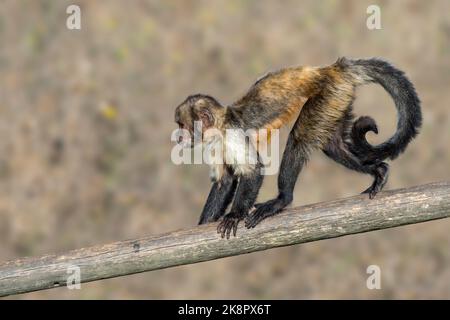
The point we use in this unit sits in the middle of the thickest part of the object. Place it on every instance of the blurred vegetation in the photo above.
(86, 117)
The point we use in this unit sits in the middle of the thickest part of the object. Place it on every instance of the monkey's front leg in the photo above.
(219, 198)
(294, 158)
(245, 198)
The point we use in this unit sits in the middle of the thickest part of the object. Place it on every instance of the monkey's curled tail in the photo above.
(406, 101)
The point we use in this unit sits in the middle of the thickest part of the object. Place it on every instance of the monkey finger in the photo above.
(220, 227)
(235, 228)
(230, 228)
(253, 223)
(249, 221)
(255, 218)
(224, 229)
(226, 226)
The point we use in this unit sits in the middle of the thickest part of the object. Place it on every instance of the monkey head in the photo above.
(195, 115)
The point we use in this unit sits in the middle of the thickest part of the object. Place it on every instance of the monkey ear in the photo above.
(206, 116)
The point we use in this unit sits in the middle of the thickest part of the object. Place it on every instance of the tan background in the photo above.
(86, 117)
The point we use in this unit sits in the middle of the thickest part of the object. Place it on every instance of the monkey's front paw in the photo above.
(229, 223)
(264, 210)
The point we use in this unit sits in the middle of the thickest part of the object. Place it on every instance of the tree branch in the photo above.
(297, 225)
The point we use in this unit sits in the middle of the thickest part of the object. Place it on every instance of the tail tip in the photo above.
(365, 124)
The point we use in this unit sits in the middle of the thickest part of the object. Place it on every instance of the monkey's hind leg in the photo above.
(339, 150)
(380, 174)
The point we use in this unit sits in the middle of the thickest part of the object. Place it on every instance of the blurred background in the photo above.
(86, 117)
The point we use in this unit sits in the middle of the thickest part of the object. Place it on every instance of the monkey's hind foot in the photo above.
(380, 174)
(229, 223)
(264, 210)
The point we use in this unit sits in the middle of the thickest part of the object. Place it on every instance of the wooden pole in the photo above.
(296, 225)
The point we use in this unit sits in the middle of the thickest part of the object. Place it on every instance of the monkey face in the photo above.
(185, 121)
(194, 116)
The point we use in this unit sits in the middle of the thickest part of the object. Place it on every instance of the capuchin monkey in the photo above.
(322, 98)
